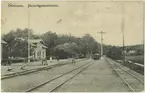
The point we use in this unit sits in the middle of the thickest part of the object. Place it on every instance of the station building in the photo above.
(38, 49)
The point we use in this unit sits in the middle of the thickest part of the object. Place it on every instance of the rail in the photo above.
(134, 66)
(113, 64)
(53, 89)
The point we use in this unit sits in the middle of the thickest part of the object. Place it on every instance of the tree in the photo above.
(49, 39)
(16, 46)
(106, 48)
(88, 45)
(69, 48)
(115, 53)
(67, 44)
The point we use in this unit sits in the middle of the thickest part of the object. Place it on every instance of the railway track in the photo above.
(129, 72)
(56, 82)
(11, 75)
(134, 83)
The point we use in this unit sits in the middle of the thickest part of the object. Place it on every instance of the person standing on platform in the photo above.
(50, 59)
(57, 58)
(73, 60)
(44, 61)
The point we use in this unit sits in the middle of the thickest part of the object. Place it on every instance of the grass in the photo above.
(137, 59)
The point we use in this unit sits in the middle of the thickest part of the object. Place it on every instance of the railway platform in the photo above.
(32, 65)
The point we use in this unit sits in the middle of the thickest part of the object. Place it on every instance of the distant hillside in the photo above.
(135, 47)
(139, 48)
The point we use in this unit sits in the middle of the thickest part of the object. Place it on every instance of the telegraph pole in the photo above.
(143, 23)
(101, 32)
(28, 35)
(122, 28)
(28, 39)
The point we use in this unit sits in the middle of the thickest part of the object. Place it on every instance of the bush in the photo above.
(115, 53)
(9, 62)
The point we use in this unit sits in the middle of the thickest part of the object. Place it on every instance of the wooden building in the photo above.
(38, 49)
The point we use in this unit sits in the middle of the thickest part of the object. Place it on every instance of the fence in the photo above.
(132, 65)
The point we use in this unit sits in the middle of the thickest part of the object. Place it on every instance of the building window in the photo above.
(34, 54)
(43, 55)
(37, 53)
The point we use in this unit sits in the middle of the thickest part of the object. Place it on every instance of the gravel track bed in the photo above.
(22, 83)
(99, 77)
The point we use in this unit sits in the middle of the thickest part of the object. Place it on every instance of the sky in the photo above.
(79, 18)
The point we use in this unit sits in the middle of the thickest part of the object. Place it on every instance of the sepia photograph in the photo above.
(72, 46)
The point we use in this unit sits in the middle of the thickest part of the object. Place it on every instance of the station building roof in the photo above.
(34, 42)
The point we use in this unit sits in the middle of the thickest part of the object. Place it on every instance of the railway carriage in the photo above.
(96, 56)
